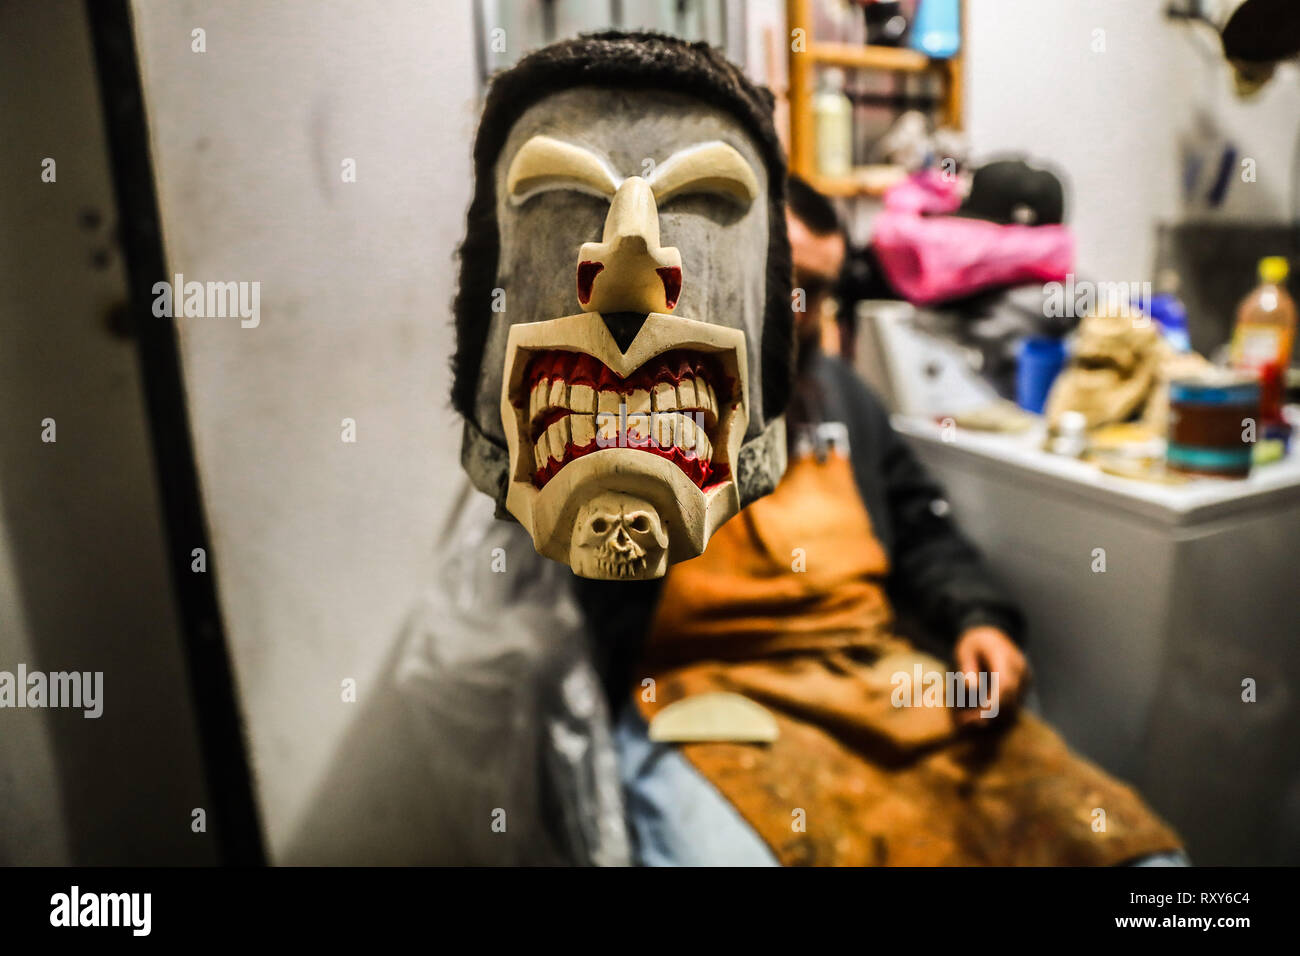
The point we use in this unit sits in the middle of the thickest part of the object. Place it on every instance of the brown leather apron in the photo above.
(786, 607)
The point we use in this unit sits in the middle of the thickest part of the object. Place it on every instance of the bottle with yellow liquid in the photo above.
(833, 126)
(1266, 321)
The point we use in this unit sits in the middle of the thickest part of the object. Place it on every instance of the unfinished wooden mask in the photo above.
(621, 369)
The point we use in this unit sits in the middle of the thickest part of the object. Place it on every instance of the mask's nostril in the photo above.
(671, 276)
(587, 272)
(624, 326)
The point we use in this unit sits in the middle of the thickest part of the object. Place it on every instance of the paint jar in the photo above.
(1213, 425)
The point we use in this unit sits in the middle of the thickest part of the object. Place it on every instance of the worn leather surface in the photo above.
(853, 779)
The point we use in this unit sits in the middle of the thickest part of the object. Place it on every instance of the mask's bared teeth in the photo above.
(582, 398)
(638, 429)
(558, 437)
(607, 426)
(703, 447)
(663, 425)
(697, 395)
(537, 400)
(686, 397)
(583, 429)
(686, 433)
(669, 407)
(559, 396)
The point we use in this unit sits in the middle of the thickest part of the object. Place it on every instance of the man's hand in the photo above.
(989, 649)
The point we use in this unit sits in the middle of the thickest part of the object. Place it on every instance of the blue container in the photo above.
(1040, 361)
(936, 28)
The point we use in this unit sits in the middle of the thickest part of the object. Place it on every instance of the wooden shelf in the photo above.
(802, 69)
(863, 181)
(898, 59)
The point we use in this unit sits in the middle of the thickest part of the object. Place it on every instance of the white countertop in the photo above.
(1276, 484)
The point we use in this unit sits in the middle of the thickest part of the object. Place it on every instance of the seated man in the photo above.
(791, 606)
(629, 209)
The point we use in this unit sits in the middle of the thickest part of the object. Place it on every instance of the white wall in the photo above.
(320, 546)
(1111, 120)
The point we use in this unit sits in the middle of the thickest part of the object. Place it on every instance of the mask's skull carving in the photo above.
(619, 536)
(635, 330)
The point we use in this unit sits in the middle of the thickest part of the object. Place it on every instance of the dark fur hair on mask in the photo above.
(635, 60)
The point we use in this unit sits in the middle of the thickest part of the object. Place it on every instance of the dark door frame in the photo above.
(233, 819)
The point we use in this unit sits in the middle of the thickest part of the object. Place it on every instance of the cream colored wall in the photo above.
(1111, 119)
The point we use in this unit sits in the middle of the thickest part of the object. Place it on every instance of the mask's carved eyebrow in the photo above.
(544, 163)
(712, 167)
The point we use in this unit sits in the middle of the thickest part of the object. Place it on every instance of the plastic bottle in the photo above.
(1266, 319)
(833, 122)
(1169, 312)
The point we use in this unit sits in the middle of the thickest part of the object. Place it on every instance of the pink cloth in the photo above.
(928, 191)
(932, 259)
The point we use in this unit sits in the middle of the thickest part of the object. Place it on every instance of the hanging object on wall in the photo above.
(1257, 35)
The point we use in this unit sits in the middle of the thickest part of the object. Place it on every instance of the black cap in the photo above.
(1010, 191)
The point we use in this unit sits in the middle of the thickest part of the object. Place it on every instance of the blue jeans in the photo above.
(676, 817)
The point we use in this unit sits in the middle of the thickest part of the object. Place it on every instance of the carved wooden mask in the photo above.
(622, 371)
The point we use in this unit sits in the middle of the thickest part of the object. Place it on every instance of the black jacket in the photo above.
(936, 576)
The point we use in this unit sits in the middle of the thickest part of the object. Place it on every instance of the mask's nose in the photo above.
(628, 271)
